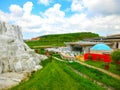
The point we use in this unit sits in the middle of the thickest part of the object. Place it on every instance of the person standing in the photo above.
(49, 55)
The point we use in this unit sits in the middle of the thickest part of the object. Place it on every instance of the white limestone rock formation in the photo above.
(15, 55)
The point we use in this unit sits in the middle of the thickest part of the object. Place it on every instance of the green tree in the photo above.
(116, 58)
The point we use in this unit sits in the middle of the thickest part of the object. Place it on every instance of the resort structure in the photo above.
(85, 46)
(94, 49)
(97, 48)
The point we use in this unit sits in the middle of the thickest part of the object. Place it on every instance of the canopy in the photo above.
(101, 47)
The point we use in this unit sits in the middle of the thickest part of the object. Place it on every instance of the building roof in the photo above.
(114, 35)
(101, 46)
(111, 38)
(84, 43)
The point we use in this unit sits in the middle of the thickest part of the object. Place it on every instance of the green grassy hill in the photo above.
(59, 39)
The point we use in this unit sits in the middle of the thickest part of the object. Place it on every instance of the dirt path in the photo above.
(99, 69)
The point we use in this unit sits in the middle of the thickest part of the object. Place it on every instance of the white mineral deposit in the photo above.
(15, 55)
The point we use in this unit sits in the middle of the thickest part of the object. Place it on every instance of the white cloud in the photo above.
(3, 16)
(106, 25)
(27, 8)
(54, 12)
(45, 2)
(16, 10)
(103, 25)
(53, 20)
(76, 5)
(102, 6)
(77, 18)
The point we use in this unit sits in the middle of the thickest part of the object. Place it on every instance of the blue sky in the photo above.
(41, 17)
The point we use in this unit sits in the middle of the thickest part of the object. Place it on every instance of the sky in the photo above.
(42, 17)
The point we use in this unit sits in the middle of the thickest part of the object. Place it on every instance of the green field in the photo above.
(56, 76)
(59, 39)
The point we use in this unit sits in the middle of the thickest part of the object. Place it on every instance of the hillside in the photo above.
(59, 39)
(57, 75)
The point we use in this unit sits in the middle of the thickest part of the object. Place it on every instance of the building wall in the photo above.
(114, 45)
(37, 38)
(69, 47)
(86, 49)
(118, 45)
(100, 51)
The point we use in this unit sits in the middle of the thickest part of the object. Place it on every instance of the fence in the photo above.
(98, 57)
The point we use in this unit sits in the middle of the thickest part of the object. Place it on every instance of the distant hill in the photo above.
(59, 39)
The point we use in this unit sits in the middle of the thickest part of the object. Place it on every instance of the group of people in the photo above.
(47, 53)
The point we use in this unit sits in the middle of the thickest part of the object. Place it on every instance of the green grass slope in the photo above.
(56, 76)
(97, 75)
(59, 39)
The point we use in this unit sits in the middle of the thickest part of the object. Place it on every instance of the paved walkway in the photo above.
(99, 69)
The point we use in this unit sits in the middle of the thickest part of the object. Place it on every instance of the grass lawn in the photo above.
(56, 76)
(97, 75)
(94, 74)
(112, 68)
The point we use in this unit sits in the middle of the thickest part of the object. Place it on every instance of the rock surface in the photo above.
(11, 79)
(15, 55)
(17, 60)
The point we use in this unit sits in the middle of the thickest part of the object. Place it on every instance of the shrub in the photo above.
(116, 58)
(90, 57)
